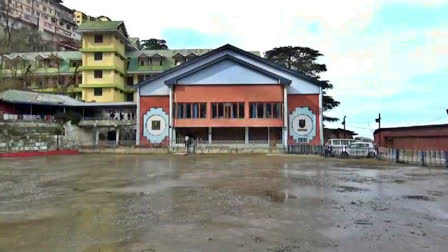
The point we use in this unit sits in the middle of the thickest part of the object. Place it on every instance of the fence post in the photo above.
(446, 157)
(397, 155)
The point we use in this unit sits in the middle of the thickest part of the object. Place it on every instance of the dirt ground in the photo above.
(105, 203)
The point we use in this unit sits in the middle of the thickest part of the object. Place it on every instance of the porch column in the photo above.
(285, 117)
(117, 137)
(246, 135)
(174, 141)
(170, 118)
(321, 117)
(97, 136)
(137, 116)
(210, 135)
(269, 137)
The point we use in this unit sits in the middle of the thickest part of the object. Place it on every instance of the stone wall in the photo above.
(29, 136)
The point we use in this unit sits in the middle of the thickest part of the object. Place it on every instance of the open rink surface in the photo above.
(108, 203)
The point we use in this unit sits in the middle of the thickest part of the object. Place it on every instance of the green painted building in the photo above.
(104, 70)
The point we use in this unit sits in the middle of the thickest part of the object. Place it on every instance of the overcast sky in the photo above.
(388, 56)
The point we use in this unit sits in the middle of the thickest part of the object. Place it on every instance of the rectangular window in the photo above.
(277, 110)
(98, 38)
(266, 110)
(195, 110)
(241, 110)
(75, 63)
(98, 74)
(130, 97)
(260, 110)
(227, 110)
(130, 80)
(203, 110)
(191, 110)
(97, 91)
(98, 56)
(188, 110)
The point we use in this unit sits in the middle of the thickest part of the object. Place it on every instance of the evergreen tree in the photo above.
(304, 60)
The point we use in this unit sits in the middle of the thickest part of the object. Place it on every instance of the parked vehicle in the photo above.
(363, 139)
(335, 147)
(359, 149)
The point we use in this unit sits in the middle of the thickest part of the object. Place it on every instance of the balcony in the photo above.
(153, 68)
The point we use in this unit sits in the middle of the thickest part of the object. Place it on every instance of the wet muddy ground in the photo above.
(105, 203)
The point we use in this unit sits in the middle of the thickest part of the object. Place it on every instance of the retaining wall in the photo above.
(424, 158)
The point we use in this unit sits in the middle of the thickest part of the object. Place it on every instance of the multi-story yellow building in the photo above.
(104, 70)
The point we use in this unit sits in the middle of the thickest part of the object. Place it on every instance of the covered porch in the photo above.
(230, 136)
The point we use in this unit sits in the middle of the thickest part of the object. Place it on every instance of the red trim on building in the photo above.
(146, 103)
(38, 153)
(305, 100)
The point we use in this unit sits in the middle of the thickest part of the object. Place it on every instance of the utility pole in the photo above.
(343, 123)
(378, 120)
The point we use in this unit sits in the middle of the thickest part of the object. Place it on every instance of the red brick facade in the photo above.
(307, 100)
(228, 93)
(146, 103)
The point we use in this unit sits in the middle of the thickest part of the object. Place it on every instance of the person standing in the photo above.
(187, 139)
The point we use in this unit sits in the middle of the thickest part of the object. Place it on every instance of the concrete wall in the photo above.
(28, 136)
(417, 157)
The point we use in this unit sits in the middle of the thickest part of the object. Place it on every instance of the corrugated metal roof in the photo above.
(26, 97)
(99, 25)
(35, 98)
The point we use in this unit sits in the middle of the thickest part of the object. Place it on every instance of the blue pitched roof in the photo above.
(240, 51)
(280, 79)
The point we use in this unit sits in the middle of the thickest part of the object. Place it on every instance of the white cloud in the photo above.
(373, 66)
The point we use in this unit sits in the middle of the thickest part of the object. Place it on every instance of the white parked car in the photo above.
(359, 149)
(336, 146)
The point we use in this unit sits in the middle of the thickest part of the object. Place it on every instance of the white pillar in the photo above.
(137, 138)
(269, 137)
(117, 136)
(246, 135)
(321, 117)
(285, 117)
(174, 137)
(210, 135)
(97, 136)
(170, 118)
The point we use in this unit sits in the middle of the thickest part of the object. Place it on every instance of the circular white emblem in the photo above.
(156, 125)
(302, 125)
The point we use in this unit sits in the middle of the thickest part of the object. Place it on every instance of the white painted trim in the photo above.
(321, 117)
(285, 117)
(210, 135)
(170, 118)
(137, 138)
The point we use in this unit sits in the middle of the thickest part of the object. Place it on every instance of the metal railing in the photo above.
(26, 117)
